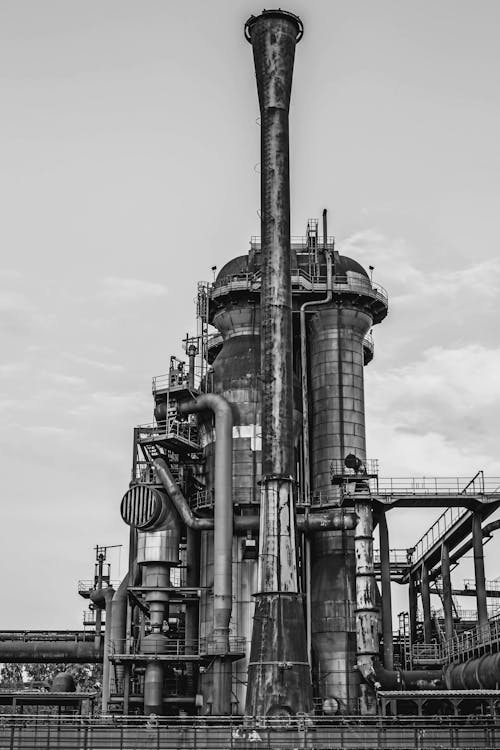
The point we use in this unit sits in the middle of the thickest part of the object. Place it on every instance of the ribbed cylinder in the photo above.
(336, 388)
(336, 393)
(236, 376)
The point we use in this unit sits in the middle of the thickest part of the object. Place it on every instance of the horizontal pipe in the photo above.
(482, 673)
(36, 652)
(335, 518)
(398, 679)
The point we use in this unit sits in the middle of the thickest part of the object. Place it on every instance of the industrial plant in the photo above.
(257, 602)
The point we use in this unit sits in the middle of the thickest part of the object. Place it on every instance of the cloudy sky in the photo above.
(129, 150)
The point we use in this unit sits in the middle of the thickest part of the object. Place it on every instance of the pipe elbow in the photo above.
(209, 402)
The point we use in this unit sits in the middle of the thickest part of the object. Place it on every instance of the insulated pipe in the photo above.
(385, 572)
(398, 679)
(482, 673)
(223, 539)
(51, 652)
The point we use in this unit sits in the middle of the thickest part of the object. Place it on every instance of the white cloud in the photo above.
(439, 411)
(63, 379)
(111, 404)
(398, 268)
(121, 289)
(97, 364)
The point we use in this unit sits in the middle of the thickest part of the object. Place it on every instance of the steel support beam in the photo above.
(426, 602)
(385, 571)
(447, 591)
(477, 545)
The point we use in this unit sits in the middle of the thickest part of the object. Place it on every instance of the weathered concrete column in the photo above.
(447, 592)
(477, 543)
(426, 602)
(385, 570)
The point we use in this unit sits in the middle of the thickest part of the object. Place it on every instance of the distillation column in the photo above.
(278, 674)
(236, 376)
(336, 334)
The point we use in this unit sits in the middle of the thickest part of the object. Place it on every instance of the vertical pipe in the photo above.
(366, 609)
(426, 602)
(223, 539)
(447, 591)
(106, 672)
(477, 544)
(278, 674)
(192, 351)
(385, 567)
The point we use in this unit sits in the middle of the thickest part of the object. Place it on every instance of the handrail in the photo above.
(300, 277)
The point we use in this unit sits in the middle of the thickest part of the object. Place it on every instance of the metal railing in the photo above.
(171, 427)
(273, 733)
(300, 279)
(436, 486)
(443, 524)
(397, 556)
(173, 647)
(85, 587)
(465, 645)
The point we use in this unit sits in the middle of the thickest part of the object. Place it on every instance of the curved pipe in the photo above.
(223, 509)
(325, 520)
(181, 504)
(398, 679)
(303, 361)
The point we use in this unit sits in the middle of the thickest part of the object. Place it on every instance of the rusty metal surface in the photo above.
(366, 609)
(273, 38)
(279, 680)
(279, 674)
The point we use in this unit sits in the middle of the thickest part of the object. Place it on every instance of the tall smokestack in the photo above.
(279, 680)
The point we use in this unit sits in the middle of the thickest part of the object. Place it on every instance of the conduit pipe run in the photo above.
(334, 518)
(303, 361)
(305, 419)
(223, 539)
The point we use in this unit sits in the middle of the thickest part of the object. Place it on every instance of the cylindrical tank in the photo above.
(336, 333)
(235, 313)
(63, 682)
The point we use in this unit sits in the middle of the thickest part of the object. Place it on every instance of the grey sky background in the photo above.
(128, 155)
